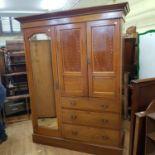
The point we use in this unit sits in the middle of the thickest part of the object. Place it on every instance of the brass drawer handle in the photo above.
(73, 103)
(73, 117)
(105, 106)
(105, 137)
(104, 120)
(74, 133)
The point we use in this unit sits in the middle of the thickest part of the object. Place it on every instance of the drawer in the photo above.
(12, 108)
(92, 135)
(91, 104)
(106, 119)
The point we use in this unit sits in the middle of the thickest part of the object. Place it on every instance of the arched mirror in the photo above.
(43, 82)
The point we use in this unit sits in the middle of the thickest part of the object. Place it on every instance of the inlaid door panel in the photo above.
(103, 55)
(71, 40)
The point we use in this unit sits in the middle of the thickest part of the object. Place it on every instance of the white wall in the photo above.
(142, 15)
(142, 12)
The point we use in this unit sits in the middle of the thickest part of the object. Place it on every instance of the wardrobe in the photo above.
(74, 65)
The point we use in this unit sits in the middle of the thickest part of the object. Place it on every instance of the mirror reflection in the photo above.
(43, 85)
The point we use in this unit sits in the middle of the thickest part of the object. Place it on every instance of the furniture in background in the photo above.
(14, 78)
(74, 61)
(130, 57)
(150, 130)
(143, 92)
(139, 134)
(144, 139)
(2, 61)
(130, 71)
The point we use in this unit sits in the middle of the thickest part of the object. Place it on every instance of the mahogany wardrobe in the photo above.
(74, 66)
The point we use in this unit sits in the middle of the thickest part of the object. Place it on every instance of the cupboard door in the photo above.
(42, 75)
(104, 58)
(72, 59)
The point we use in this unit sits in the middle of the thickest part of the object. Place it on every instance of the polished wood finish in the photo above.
(92, 135)
(84, 147)
(90, 104)
(106, 120)
(142, 94)
(103, 45)
(124, 7)
(72, 63)
(76, 19)
(86, 50)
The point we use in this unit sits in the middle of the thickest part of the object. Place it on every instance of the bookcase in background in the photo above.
(14, 78)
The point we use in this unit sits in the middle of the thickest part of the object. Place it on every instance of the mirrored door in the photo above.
(40, 48)
(42, 81)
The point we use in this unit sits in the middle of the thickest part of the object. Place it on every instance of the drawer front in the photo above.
(11, 108)
(108, 120)
(91, 104)
(92, 135)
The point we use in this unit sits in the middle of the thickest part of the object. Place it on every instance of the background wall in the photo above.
(142, 12)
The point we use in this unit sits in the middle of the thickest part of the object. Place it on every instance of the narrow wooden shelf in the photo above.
(14, 119)
(14, 74)
(17, 64)
(20, 83)
(151, 136)
(17, 85)
(151, 115)
(17, 97)
(20, 53)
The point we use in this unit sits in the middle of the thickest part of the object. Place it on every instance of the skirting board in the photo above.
(77, 146)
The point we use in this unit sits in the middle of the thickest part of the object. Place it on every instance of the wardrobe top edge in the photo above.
(124, 7)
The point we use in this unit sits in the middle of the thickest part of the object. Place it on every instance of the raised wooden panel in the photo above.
(90, 104)
(102, 48)
(92, 135)
(73, 84)
(71, 51)
(106, 119)
(72, 59)
(104, 55)
(104, 86)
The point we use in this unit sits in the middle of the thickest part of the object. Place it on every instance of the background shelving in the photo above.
(14, 78)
